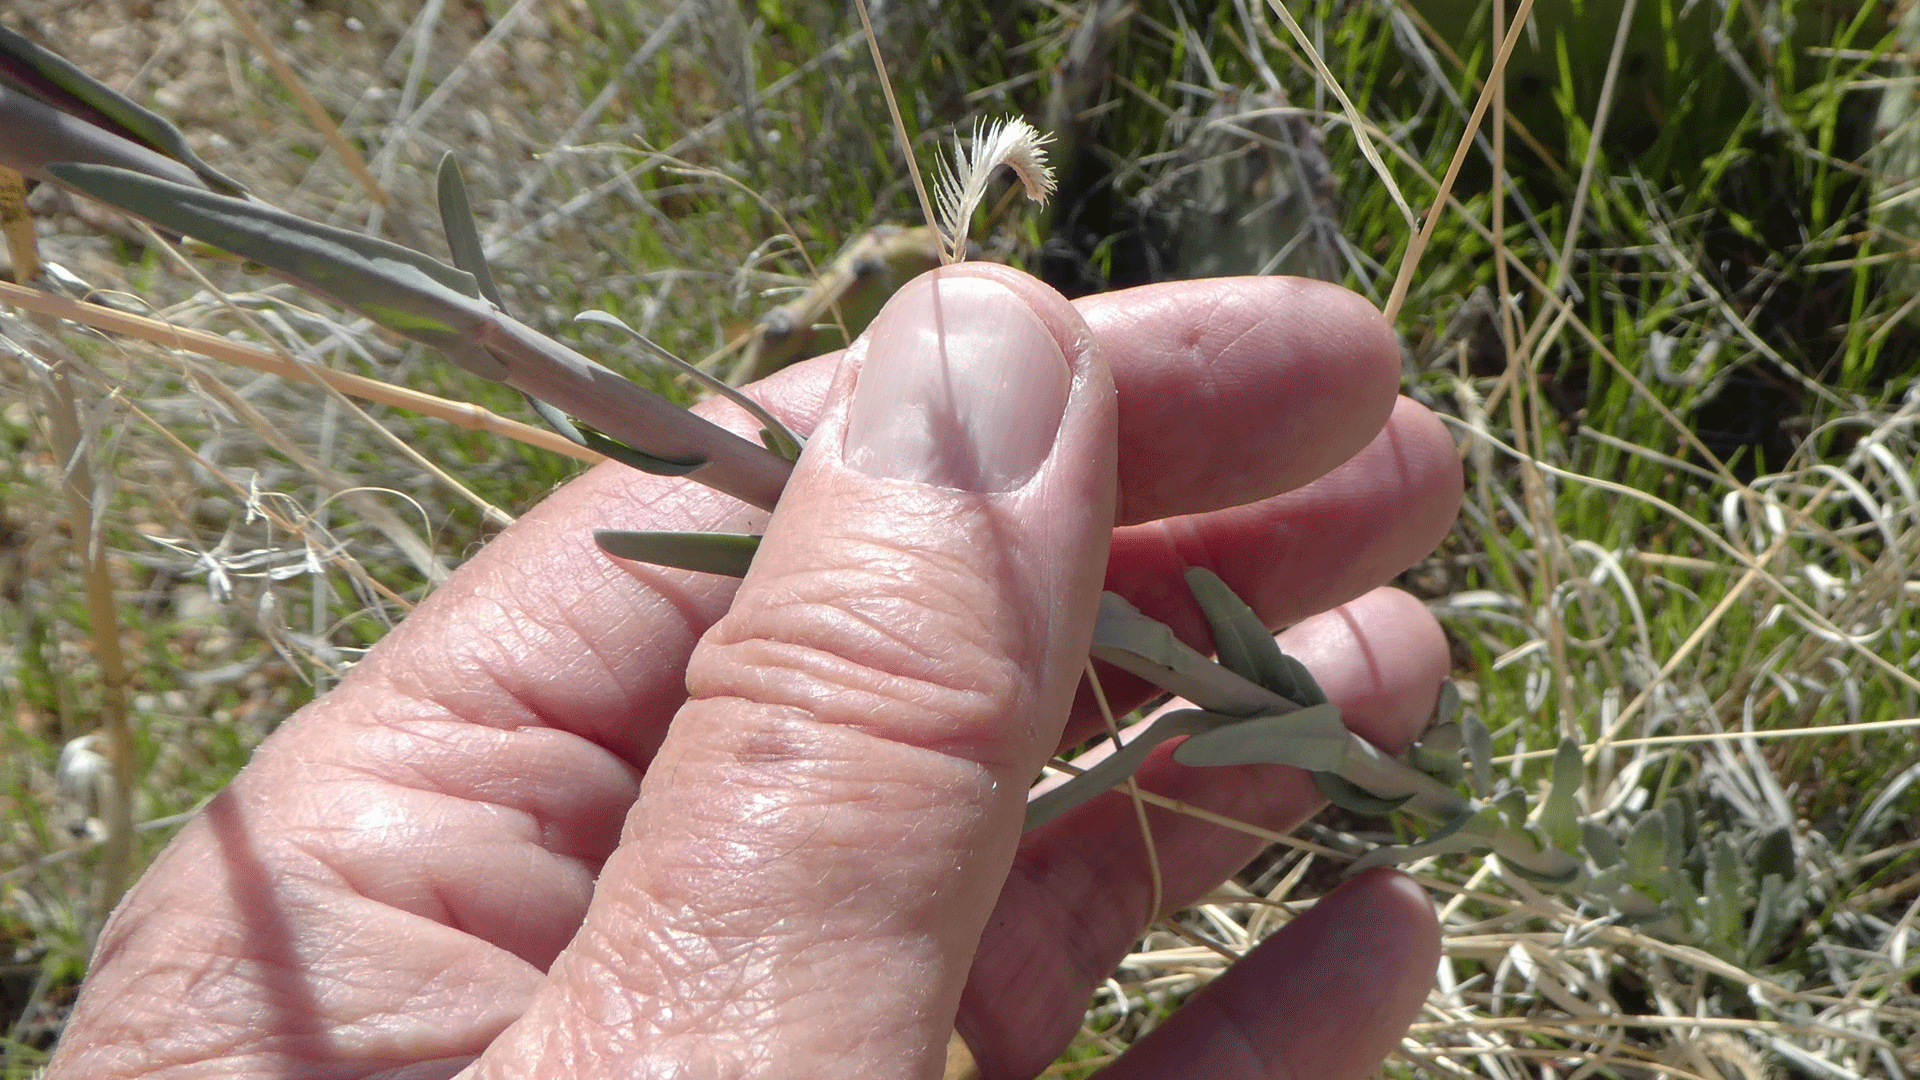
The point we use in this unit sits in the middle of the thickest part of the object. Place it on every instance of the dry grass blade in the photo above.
(314, 111)
(74, 451)
(460, 414)
(1592, 159)
(1360, 126)
(1416, 247)
(899, 124)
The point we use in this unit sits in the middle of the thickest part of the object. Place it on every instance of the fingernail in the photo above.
(963, 387)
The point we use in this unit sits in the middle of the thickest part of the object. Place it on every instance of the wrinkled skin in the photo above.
(513, 842)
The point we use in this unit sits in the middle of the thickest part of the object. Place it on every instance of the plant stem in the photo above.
(103, 621)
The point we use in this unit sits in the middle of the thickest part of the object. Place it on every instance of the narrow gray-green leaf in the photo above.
(634, 458)
(1146, 647)
(1774, 914)
(1683, 896)
(463, 236)
(703, 552)
(556, 419)
(1479, 753)
(1447, 840)
(1600, 844)
(1438, 754)
(1116, 767)
(1633, 906)
(1513, 804)
(55, 79)
(1448, 705)
(1355, 799)
(1610, 881)
(39, 136)
(1775, 855)
(1646, 851)
(1312, 739)
(775, 435)
(1560, 811)
(1681, 829)
(399, 288)
(1299, 683)
(1242, 642)
(612, 448)
(1565, 872)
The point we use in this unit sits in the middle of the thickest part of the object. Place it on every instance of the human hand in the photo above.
(821, 867)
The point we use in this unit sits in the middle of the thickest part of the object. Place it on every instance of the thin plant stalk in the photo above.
(103, 630)
(1418, 245)
(420, 553)
(103, 620)
(1367, 149)
(460, 414)
(900, 126)
(1591, 164)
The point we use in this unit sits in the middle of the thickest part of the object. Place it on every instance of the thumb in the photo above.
(818, 844)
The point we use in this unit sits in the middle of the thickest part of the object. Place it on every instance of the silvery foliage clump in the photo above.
(1254, 704)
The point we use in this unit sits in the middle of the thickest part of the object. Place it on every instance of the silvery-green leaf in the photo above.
(40, 136)
(775, 435)
(1242, 642)
(555, 419)
(441, 307)
(1601, 845)
(1299, 683)
(1566, 873)
(1646, 850)
(56, 81)
(612, 448)
(256, 226)
(1447, 840)
(1609, 881)
(636, 459)
(1438, 754)
(1775, 914)
(1479, 752)
(1146, 647)
(1513, 806)
(1448, 706)
(1355, 799)
(1682, 896)
(1679, 832)
(1119, 765)
(1560, 811)
(1635, 907)
(463, 236)
(1445, 738)
(1312, 739)
(1775, 855)
(1725, 895)
(401, 289)
(702, 552)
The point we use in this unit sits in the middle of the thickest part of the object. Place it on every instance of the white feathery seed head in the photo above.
(963, 182)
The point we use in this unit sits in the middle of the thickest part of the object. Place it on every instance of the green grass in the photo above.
(1640, 565)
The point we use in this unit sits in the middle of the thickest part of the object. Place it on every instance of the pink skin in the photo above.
(820, 870)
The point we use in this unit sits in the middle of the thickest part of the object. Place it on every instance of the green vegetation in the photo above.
(1689, 429)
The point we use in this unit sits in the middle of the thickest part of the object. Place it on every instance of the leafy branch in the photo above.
(1254, 704)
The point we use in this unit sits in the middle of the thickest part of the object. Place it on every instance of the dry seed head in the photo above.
(963, 183)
